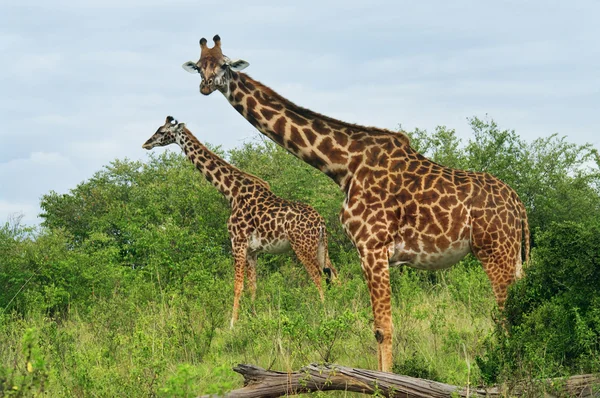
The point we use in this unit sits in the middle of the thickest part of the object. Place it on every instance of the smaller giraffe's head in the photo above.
(166, 134)
(214, 67)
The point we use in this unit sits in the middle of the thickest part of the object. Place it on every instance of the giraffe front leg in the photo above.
(375, 267)
(240, 255)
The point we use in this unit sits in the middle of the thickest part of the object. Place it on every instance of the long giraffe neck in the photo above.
(228, 179)
(330, 145)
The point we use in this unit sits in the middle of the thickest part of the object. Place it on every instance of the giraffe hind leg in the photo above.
(240, 265)
(251, 274)
(501, 267)
(251, 278)
(498, 248)
(307, 254)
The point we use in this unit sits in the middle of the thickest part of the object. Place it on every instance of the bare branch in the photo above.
(259, 382)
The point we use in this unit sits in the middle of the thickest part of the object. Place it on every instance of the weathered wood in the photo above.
(259, 382)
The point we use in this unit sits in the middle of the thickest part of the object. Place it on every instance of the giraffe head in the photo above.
(166, 134)
(214, 67)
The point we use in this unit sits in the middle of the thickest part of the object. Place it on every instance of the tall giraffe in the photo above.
(260, 221)
(400, 207)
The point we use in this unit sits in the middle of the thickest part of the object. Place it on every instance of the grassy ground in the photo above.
(177, 342)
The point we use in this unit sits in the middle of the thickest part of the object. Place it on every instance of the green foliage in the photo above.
(126, 288)
(417, 366)
(28, 375)
(127, 223)
(552, 317)
(43, 273)
(498, 152)
(442, 146)
(128, 196)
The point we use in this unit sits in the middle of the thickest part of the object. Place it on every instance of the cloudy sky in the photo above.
(86, 81)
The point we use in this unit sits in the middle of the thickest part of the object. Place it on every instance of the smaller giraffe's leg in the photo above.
(307, 254)
(251, 274)
(323, 257)
(375, 267)
(251, 277)
(239, 252)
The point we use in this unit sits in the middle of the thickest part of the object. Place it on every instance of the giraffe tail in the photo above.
(525, 245)
(323, 257)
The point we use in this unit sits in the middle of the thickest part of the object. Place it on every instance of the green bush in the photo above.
(127, 287)
(552, 320)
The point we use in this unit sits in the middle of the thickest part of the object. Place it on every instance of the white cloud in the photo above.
(36, 66)
(50, 119)
(88, 82)
(10, 41)
(116, 58)
(35, 159)
(101, 4)
(46, 159)
(11, 210)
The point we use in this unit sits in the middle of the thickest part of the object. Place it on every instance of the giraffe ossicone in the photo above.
(260, 221)
(400, 207)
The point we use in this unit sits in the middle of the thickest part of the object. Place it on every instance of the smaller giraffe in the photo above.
(260, 221)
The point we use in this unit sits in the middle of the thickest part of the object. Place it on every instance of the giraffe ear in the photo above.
(238, 64)
(190, 67)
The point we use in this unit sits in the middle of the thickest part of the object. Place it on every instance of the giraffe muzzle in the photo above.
(206, 89)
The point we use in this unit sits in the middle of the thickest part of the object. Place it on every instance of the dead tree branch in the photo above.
(259, 382)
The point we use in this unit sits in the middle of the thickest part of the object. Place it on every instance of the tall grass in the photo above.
(157, 342)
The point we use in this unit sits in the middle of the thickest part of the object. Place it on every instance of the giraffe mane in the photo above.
(336, 123)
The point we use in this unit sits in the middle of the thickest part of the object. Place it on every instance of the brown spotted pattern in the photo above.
(260, 221)
(400, 208)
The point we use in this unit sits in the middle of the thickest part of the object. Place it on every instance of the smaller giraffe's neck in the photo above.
(228, 179)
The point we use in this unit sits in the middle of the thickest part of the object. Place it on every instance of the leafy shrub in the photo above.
(417, 366)
(28, 375)
(126, 288)
(552, 320)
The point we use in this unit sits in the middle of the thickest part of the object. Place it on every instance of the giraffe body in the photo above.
(260, 221)
(400, 207)
(260, 243)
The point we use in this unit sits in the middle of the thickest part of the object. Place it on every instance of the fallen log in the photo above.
(259, 382)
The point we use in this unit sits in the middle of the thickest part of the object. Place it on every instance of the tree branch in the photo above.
(259, 382)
